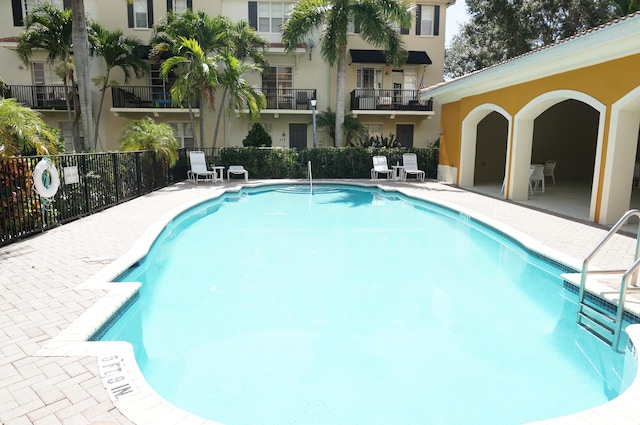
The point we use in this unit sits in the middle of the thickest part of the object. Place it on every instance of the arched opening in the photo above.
(621, 182)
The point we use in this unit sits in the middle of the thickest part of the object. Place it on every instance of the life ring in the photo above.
(46, 179)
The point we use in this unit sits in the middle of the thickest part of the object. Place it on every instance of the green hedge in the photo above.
(330, 163)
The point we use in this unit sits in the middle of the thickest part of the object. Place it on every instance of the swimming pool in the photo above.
(363, 328)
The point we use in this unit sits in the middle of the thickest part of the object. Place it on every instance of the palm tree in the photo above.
(247, 46)
(215, 36)
(377, 21)
(146, 134)
(242, 95)
(22, 131)
(81, 53)
(118, 51)
(50, 29)
(197, 77)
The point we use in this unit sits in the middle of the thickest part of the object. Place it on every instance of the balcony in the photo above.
(294, 101)
(143, 99)
(389, 102)
(40, 97)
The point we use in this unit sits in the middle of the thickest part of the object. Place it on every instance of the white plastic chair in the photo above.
(549, 168)
(237, 169)
(380, 167)
(199, 169)
(536, 177)
(410, 166)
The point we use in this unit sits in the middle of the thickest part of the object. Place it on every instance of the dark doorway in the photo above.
(298, 136)
(404, 135)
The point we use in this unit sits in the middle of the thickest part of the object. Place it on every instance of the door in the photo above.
(404, 133)
(298, 136)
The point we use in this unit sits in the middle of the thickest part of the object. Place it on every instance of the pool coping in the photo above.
(137, 401)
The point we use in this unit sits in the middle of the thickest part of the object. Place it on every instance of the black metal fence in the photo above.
(103, 180)
(107, 179)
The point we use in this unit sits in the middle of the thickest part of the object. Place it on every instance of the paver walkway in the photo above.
(40, 294)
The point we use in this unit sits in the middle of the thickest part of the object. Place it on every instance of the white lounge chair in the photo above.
(549, 168)
(536, 177)
(199, 169)
(410, 166)
(237, 169)
(380, 167)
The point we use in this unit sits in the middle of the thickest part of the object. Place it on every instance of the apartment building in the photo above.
(383, 97)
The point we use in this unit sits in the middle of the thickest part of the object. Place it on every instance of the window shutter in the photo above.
(418, 19)
(18, 20)
(169, 6)
(130, 15)
(150, 13)
(66, 4)
(190, 4)
(436, 21)
(253, 15)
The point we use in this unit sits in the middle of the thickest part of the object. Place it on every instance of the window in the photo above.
(179, 6)
(29, 5)
(427, 19)
(374, 130)
(44, 74)
(21, 8)
(182, 131)
(271, 15)
(277, 85)
(368, 78)
(140, 13)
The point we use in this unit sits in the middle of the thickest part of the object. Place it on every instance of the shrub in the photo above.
(258, 137)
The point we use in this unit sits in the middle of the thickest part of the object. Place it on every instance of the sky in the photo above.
(456, 15)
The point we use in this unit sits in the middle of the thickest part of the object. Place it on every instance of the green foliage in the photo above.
(23, 132)
(146, 134)
(258, 137)
(500, 30)
(378, 142)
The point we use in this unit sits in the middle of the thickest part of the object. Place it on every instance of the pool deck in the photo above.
(53, 294)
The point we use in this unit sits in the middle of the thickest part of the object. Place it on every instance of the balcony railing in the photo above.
(143, 97)
(40, 97)
(394, 100)
(289, 98)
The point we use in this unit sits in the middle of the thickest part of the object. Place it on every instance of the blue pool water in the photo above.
(356, 306)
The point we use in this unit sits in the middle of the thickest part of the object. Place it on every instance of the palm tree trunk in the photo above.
(95, 132)
(220, 111)
(341, 76)
(192, 122)
(65, 84)
(202, 139)
(81, 54)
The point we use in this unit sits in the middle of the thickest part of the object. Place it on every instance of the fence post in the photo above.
(116, 176)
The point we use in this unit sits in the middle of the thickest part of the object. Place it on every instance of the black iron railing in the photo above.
(104, 180)
(143, 97)
(395, 100)
(40, 97)
(289, 98)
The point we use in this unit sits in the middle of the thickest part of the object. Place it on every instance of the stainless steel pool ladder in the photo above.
(595, 317)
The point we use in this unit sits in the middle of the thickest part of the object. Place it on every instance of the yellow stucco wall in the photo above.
(606, 82)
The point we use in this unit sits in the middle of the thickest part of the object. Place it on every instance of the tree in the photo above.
(146, 134)
(83, 66)
(503, 29)
(118, 51)
(215, 36)
(49, 29)
(22, 131)
(377, 21)
(197, 77)
(257, 137)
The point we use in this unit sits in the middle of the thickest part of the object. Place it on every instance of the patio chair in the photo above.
(410, 166)
(549, 167)
(199, 169)
(237, 169)
(380, 167)
(536, 177)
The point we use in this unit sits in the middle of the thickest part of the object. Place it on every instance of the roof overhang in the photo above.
(611, 41)
(416, 57)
